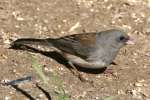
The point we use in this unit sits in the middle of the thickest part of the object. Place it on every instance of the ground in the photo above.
(55, 18)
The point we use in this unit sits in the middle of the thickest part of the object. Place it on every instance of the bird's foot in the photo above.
(81, 76)
(108, 72)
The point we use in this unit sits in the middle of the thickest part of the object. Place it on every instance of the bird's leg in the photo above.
(76, 72)
(74, 69)
(108, 71)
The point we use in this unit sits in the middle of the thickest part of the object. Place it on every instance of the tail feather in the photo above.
(32, 41)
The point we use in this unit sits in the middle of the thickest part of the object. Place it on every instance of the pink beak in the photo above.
(130, 41)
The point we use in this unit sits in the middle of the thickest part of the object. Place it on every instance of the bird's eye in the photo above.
(122, 38)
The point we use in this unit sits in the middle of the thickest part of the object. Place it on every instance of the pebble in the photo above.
(20, 18)
(74, 26)
(138, 84)
(7, 98)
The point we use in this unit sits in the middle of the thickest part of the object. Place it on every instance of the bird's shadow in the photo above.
(57, 57)
(26, 94)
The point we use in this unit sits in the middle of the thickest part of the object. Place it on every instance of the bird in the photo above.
(93, 50)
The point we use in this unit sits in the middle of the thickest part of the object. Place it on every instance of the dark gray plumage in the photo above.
(89, 50)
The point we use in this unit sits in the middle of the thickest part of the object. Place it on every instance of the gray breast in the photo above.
(103, 56)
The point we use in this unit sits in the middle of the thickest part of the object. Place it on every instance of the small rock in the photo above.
(20, 18)
(138, 84)
(121, 92)
(92, 10)
(7, 41)
(7, 98)
(74, 27)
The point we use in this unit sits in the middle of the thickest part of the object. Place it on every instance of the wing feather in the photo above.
(77, 44)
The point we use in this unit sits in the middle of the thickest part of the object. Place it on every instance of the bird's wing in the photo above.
(78, 44)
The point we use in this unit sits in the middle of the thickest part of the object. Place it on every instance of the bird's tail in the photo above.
(32, 41)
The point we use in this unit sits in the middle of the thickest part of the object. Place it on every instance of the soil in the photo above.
(55, 18)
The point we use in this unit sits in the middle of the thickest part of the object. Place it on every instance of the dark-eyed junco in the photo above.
(88, 50)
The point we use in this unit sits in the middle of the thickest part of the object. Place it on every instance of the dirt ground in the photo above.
(55, 18)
